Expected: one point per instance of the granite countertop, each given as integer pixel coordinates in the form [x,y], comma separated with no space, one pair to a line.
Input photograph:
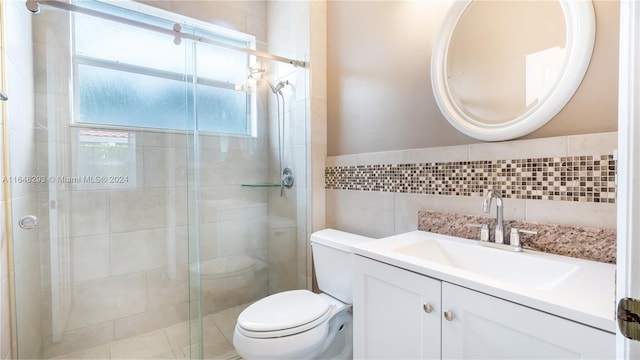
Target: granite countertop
[574,241]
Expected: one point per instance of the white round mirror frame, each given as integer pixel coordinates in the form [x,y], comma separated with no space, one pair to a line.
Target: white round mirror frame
[580,32]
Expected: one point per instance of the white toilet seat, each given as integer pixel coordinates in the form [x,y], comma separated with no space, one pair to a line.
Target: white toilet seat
[284,314]
[303,341]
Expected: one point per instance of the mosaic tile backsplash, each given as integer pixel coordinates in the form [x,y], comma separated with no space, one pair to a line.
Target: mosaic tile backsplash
[572,178]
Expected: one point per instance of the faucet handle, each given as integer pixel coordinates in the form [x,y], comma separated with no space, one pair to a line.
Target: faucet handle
[484,230]
[514,237]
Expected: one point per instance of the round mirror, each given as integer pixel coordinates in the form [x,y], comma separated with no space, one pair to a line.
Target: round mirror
[502,69]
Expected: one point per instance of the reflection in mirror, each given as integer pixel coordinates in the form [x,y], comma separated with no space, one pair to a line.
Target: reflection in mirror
[501,62]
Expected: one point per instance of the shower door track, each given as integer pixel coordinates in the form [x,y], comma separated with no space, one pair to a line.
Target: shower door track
[34,7]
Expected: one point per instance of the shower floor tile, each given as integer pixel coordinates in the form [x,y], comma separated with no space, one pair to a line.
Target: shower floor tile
[172,342]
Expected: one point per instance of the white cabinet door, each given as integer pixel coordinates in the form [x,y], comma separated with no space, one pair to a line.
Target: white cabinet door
[487,327]
[396,313]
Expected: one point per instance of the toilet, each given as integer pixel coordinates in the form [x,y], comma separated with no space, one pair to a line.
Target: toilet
[299,324]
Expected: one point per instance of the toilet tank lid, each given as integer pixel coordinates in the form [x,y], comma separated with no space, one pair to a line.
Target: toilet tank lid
[337,239]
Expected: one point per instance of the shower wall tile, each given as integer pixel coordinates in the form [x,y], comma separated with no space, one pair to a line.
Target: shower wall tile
[236,237]
[46,312]
[45,264]
[151,320]
[133,210]
[158,139]
[213,171]
[165,167]
[27,288]
[133,252]
[168,286]
[90,258]
[98,301]
[89,213]
[52,121]
[85,338]
[241,211]
[22,159]
[209,248]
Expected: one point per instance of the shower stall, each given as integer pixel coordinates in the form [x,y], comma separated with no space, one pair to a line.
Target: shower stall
[161,184]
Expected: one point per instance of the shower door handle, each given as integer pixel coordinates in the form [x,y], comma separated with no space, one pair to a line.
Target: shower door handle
[28,222]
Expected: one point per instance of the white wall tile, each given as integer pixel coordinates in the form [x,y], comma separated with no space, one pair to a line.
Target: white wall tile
[81,339]
[90,257]
[368,213]
[585,214]
[519,149]
[592,144]
[141,347]
[151,320]
[167,287]
[89,213]
[132,210]
[165,167]
[99,301]
[436,154]
[132,252]
[27,309]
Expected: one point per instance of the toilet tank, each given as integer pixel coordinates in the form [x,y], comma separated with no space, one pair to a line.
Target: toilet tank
[332,258]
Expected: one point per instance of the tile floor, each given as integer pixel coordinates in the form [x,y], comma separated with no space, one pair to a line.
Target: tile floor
[172,342]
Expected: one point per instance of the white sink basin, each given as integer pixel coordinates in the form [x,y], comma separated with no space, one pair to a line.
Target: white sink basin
[521,269]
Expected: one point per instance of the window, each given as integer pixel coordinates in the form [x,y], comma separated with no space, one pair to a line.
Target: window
[128,76]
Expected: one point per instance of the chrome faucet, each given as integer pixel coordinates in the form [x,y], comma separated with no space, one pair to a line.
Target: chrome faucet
[486,206]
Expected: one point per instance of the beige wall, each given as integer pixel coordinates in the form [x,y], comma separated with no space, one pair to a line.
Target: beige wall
[379,86]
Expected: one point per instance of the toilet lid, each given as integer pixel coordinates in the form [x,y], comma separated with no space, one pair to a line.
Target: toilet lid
[285,310]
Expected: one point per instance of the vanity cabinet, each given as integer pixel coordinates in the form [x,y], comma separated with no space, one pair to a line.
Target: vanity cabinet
[396,313]
[392,321]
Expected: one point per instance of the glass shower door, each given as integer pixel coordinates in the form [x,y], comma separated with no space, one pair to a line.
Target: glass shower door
[158,189]
[106,273]
[252,233]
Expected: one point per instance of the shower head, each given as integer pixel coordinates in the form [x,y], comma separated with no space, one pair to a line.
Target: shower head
[278,88]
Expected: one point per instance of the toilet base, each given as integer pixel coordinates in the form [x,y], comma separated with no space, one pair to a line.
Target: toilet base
[342,345]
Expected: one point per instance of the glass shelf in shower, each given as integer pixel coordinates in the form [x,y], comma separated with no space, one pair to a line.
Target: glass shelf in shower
[265,185]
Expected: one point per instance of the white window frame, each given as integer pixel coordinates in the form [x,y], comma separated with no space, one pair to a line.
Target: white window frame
[220,31]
